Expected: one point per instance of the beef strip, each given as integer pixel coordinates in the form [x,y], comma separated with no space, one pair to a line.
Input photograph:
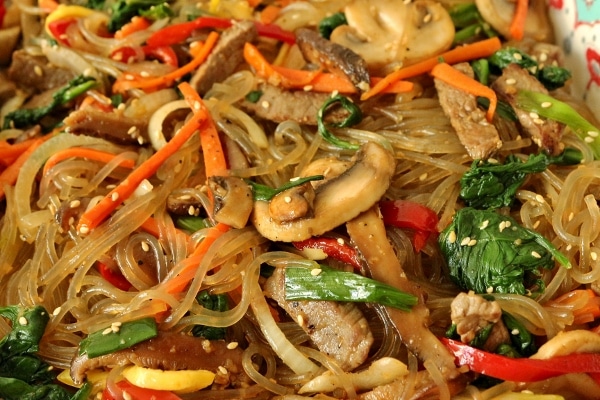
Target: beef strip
[225,57]
[112,126]
[333,57]
[338,329]
[168,351]
[545,133]
[278,105]
[479,137]
[36,73]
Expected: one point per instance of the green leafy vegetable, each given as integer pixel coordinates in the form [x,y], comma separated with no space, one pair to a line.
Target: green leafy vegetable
[191,223]
[521,338]
[503,109]
[115,338]
[481,68]
[354,117]
[262,192]
[482,336]
[303,283]
[30,116]
[327,25]
[156,12]
[494,185]
[254,96]
[124,10]
[96,4]
[214,302]
[548,107]
[488,251]
[23,375]
[469,23]
[552,77]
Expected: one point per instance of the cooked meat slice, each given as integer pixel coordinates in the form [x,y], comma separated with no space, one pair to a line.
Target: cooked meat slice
[544,132]
[333,57]
[113,126]
[225,57]
[547,54]
[168,351]
[479,137]
[185,204]
[7,88]
[471,313]
[338,329]
[36,73]
[276,104]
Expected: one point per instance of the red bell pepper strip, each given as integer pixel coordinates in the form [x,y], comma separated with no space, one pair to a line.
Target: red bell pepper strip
[2,13]
[522,369]
[58,29]
[138,393]
[113,277]
[411,215]
[334,248]
[177,33]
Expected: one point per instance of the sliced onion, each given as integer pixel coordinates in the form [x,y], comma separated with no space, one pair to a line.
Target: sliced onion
[69,59]
[155,124]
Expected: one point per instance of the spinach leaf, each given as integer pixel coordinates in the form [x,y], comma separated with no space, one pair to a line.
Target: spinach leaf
[327,25]
[493,185]
[520,337]
[486,251]
[262,192]
[124,10]
[214,302]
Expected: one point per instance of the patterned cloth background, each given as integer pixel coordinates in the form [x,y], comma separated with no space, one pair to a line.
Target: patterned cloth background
[577,29]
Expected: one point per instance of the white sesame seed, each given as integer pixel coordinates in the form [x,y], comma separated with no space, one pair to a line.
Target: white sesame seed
[546,104]
[300,320]
[452,237]
[518,241]
[423,176]
[490,289]
[232,345]
[571,216]
[197,105]
[484,224]
[115,329]
[540,198]
[87,72]
[588,139]
[191,210]
[222,370]
[594,255]
[107,331]
[511,81]
[145,246]
[569,247]
[316,271]
[534,115]
[127,396]
[508,224]
[472,242]
[535,254]
[114,196]
[74,203]
[129,77]
[334,93]
[308,88]
[538,121]
[287,199]
[84,229]
[427,18]
[515,331]
[341,241]
[593,133]
[502,226]
[132,129]
[465,241]
[265,104]
[543,57]
[38,70]
[23,321]
[517,56]
[56,311]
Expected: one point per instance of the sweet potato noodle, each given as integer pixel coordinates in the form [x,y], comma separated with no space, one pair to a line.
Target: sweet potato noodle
[443,243]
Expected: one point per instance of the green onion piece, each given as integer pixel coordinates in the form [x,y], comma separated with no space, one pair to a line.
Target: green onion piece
[548,107]
[254,96]
[326,283]
[115,338]
[262,192]
[192,224]
[214,302]
[352,119]
[328,24]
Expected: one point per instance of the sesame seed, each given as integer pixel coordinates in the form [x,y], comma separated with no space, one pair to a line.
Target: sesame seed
[540,198]
[222,370]
[334,93]
[536,224]
[490,289]
[508,224]
[316,271]
[484,224]
[265,104]
[114,196]
[538,121]
[115,329]
[588,139]
[515,331]
[197,105]
[84,229]
[502,226]
[452,237]
[535,254]
[465,241]
[593,133]
[132,130]
[427,18]
[111,186]
[341,241]
[107,331]
[145,246]
[569,247]
[23,321]
[145,74]
[129,77]
[38,70]
[543,57]
[594,255]
[518,241]
[116,323]
[191,210]
[56,311]
[87,72]
[571,216]
[294,179]
[308,88]
[287,199]
[472,242]
[232,345]
[423,176]
[74,204]
[300,320]
[511,81]
[185,197]
[546,104]
[534,115]
[127,396]
[517,56]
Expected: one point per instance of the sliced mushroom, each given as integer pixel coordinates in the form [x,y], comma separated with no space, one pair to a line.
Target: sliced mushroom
[391,32]
[499,14]
[333,57]
[337,201]
[232,199]
[291,204]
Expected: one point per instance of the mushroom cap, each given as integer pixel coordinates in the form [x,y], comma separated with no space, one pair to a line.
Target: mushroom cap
[337,201]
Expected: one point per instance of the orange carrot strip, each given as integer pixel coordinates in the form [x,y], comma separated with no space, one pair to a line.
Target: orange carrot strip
[123,83]
[48,5]
[151,226]
[136,24]
[10,152]
[95,215]
[81,152]
[483,48]
[454,77]
[177,283]
[11,173]
[517,25]
[584,303]
[299,79]
[269,14]
[214,156]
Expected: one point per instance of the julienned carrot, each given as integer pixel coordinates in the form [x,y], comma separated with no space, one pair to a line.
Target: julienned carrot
[177,283]
[483,48]
[214,156]
[82,152]
[269,14]
[128,81]
[317,81]
[95,215]
[11,173]
[517,25]
[454,77]
[136,24]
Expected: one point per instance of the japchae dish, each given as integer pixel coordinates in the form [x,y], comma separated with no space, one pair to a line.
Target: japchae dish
[294,199]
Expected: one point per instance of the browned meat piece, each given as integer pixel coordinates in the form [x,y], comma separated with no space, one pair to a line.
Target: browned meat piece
[168,351]
[333,57]
[113,126]
[479,137]
[225,57]
[36,73]
[278,105]
[338,329]
[471,313]
[183,204]
[544,132]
